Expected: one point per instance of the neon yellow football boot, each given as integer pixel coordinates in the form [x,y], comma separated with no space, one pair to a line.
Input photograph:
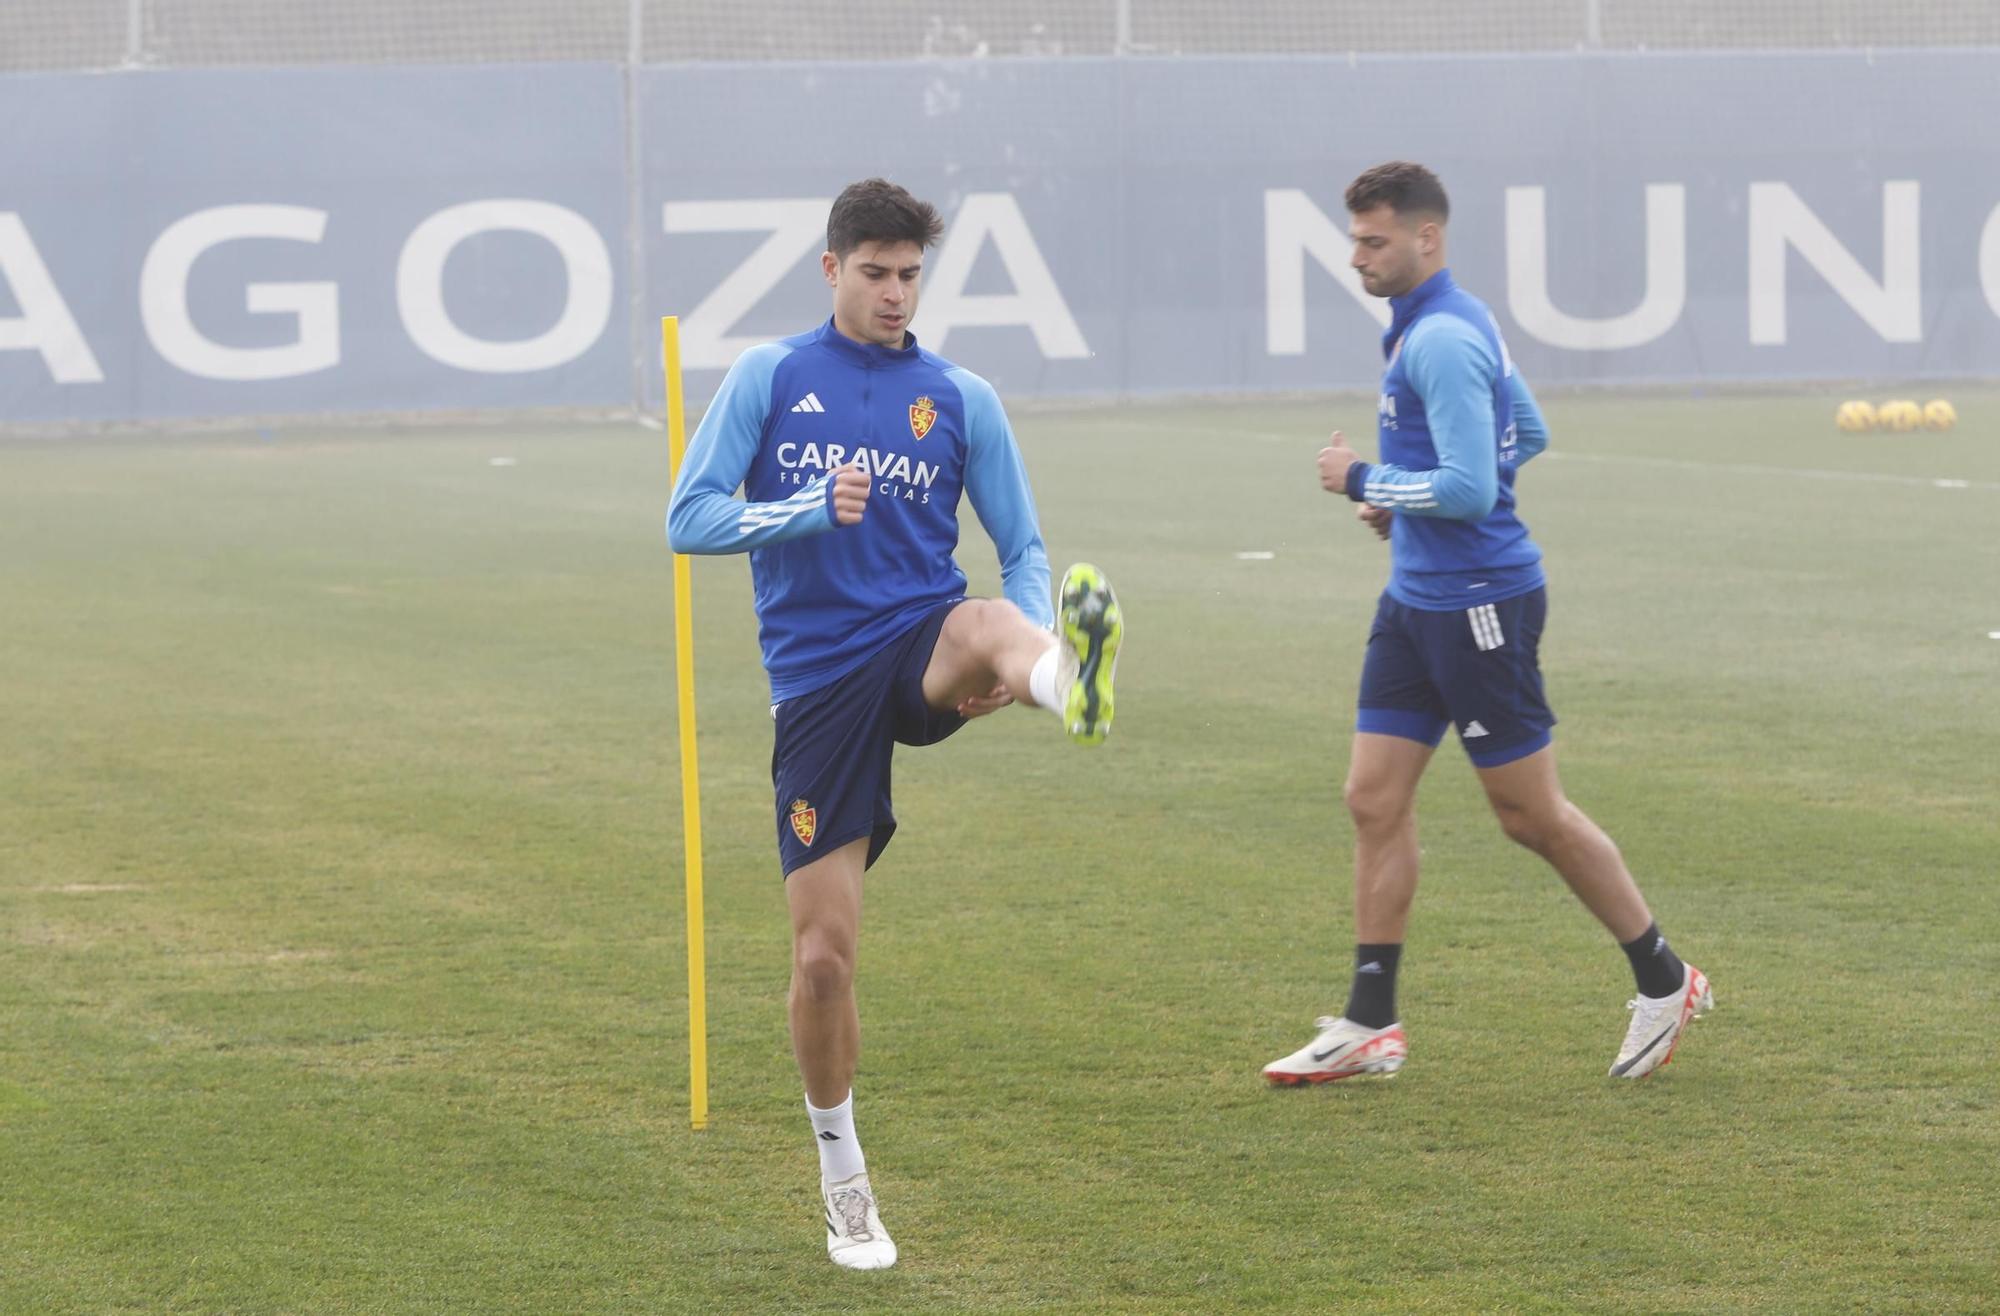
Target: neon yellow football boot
[1089,622]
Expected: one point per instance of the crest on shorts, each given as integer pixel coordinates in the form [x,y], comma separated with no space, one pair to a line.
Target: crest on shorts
[923,415]
[805,820]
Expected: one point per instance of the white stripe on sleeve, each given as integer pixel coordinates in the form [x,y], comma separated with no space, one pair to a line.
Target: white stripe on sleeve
[756,516]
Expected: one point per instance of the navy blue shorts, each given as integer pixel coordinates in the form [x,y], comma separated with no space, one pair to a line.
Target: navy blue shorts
[830,763]
[1476,668]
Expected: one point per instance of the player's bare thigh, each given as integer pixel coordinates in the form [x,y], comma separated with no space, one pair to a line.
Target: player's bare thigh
[1382,775]
[824,898]
[1527,787]
[966,659]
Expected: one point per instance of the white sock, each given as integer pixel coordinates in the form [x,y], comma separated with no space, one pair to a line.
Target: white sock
[839,1148]
[1045,679]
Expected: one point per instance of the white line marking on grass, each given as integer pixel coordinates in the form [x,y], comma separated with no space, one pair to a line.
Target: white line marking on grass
[1209,432]
[1797,472]
[1255,555]
[503,461]
[1993,635]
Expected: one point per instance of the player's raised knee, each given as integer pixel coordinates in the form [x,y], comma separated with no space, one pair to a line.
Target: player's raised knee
[991,623]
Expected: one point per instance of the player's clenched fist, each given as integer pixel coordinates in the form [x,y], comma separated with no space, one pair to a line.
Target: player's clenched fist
[850,494]
[1333,464]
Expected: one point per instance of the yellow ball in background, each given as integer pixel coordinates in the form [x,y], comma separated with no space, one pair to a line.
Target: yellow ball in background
[1855,417]
[1901,415]
[1939,415]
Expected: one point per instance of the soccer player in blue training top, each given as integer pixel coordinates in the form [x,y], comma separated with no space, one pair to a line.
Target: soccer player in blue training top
[853,444]
[1454,639]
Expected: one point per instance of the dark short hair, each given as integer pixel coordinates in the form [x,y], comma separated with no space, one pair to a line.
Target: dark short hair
[1406,188]
[876,210]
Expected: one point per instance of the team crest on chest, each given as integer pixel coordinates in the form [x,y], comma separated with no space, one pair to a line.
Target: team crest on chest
[923,415]
[805,820]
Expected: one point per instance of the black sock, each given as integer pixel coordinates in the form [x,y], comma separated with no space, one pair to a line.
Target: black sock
[1658,970]
[1371,1002]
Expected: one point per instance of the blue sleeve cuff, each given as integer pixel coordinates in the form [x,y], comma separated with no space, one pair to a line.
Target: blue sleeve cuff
[1357,481]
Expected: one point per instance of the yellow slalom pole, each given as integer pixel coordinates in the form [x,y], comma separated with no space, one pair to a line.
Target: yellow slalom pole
[670,352]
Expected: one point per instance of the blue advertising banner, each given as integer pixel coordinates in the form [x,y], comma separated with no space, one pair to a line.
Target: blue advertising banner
[244,242]
[1141,226]
[220,243]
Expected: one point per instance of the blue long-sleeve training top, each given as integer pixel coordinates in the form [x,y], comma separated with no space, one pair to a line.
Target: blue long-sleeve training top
[828,596]
[1455,423]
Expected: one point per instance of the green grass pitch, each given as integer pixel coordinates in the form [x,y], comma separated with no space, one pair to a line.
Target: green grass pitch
[341,944]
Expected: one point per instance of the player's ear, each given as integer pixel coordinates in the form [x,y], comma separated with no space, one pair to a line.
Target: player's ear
[829,265]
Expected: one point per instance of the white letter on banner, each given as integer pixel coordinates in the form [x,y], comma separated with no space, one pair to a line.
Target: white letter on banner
[1989,259]
[1666,274]
[1036,300]
[1295,228]
[163,304]
[1893,308]
[587,286]
[797,227]
[44,323]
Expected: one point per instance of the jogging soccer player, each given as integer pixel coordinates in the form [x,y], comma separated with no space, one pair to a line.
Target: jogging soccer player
[853,445]
[1454,639]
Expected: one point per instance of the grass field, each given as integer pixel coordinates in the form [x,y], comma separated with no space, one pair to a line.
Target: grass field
[341,945]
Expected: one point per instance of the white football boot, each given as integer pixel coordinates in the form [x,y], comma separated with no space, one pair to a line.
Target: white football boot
[1657,1023]
[1343,1049]
[854,1234]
